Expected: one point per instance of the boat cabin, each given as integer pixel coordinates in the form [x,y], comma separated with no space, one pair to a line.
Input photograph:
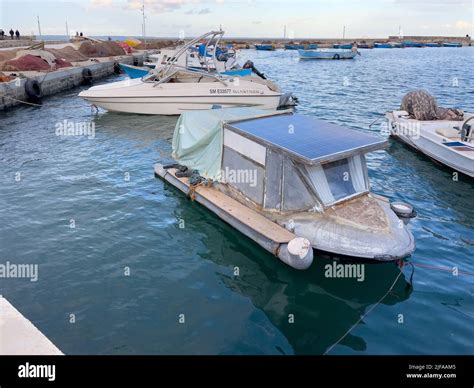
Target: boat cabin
[296,162]
[303,174]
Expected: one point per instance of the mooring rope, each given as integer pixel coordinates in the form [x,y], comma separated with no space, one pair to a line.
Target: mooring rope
[445,269]
[365,314]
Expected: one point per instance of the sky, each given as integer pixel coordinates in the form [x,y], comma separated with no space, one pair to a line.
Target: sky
[242,18]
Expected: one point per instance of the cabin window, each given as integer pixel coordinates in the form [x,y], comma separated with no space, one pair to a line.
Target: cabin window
[340,179]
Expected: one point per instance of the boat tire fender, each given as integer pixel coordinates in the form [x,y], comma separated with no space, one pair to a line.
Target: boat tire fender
[336,56]
[33,90]
[117,68]
[86,76]
[298,253]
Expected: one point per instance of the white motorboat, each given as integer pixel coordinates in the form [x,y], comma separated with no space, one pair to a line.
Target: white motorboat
[448,142]
[183,91]
[173,89]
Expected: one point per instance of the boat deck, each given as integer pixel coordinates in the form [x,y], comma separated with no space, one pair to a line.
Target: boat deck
[235,209]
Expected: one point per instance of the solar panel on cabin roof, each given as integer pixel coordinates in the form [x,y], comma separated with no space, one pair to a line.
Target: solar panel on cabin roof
[307,137]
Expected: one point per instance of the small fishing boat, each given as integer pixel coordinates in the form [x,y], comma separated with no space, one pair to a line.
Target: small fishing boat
[139,72]
[345,46]
[412,44]
[363,46]
[265,47]
[398,45]
[311,46]
[382,45]
[327,54]
[291,191]
[452,44]
[134,71]
[432,45]
[449,142]
[293,46]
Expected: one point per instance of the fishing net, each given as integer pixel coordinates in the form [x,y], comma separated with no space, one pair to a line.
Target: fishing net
[421,105]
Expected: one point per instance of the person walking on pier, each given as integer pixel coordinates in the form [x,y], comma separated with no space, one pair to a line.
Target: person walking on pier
[17,33]
[11,33]
[2,34]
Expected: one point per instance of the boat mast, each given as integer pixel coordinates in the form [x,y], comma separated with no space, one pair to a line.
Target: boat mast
[344,32]
[143,25]
[67,32]
[39,26]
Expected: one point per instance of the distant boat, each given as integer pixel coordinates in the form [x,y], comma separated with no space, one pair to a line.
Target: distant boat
[432,45]
[398,45]
[311,46]
[412,44]
[134,71]
[326,54]
[265,47]
[363,46]
[452,44]
[294,46]
[382,45]
[342,46]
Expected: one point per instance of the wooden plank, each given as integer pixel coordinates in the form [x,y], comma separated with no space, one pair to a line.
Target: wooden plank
[245,215]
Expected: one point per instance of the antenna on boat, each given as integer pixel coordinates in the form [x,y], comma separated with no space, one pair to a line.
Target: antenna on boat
[143,23]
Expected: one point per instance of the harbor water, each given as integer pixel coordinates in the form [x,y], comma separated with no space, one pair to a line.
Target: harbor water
[129,265]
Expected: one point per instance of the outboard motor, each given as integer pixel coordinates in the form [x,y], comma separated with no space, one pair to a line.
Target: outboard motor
[466,130]
[287,99]
[249,65]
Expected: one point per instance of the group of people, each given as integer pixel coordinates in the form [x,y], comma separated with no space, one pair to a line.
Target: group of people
[12,33]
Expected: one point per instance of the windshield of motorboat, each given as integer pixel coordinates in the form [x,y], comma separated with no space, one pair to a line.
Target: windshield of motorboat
[339,180]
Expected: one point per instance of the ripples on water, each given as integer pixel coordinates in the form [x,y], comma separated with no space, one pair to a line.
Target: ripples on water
[135,223]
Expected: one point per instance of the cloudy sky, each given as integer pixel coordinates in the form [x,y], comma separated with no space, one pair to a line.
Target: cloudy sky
[242,18]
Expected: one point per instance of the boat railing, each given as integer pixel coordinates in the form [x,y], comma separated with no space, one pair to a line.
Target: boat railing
[210,36]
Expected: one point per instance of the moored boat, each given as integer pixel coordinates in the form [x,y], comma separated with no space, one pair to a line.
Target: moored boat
[382,45]
[452,44]
[345,46]
[293,46]
[172,89]
[139,72]
[412,44]
[265,47]
[449,142]
[289,191]
[327,54]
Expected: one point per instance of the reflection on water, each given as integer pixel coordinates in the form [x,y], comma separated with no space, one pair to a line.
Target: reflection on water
[127,218]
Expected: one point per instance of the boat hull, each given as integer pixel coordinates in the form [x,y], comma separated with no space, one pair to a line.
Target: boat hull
[136,96]
[330,54]
[433,145]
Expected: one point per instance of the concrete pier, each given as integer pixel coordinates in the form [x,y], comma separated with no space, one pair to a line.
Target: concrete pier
[18,336]
[56,81]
